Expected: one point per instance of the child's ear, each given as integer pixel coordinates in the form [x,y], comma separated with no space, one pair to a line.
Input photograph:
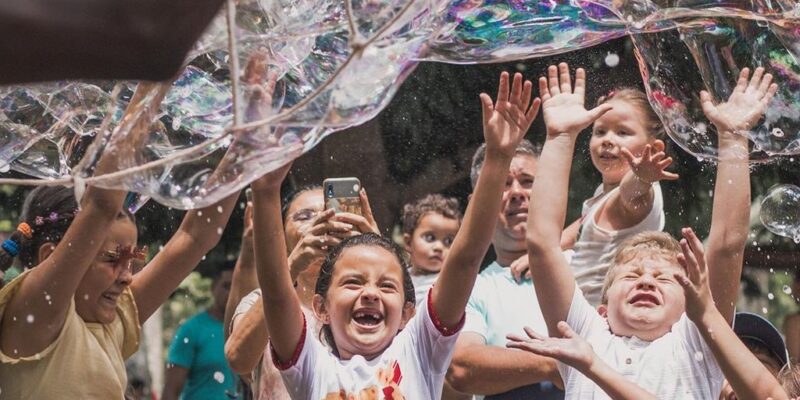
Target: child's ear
[407,242]
[602,309]
[320,311]
[408,312]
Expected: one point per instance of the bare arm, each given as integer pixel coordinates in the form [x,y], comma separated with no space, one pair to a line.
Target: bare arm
[576,352]
[730,217]
[282,311]
[748,377]
[174,379]
[248,339]
[565,116]
[791,328]
[244,278]
[481,369]
[98,39]
[48,290]
[570,234]
[504,124]
[197,235]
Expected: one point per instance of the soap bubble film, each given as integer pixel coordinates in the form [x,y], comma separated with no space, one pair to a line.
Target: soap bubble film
[780,211]
[285,74]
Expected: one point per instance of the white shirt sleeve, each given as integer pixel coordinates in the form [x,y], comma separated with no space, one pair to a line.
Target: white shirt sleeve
[245,304]
[433,343]
[301,375]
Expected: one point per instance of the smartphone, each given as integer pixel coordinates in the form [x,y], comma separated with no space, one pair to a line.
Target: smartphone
[341,194]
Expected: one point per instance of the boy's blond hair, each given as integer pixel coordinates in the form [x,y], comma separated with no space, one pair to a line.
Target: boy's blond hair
[644,244]
[790,380]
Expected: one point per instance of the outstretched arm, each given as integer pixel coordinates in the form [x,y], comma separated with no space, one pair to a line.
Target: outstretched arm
[565,117]
[482,369]
[748,377]
[282,312]
[576,352]
[98,39]
[504,125]
[244,278]
[48,290]
[730,217]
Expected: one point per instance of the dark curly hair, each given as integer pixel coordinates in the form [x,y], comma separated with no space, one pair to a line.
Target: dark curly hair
[446,206]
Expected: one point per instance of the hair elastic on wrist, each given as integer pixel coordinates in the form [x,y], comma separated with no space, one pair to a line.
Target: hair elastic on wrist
[11,247]
[25,230]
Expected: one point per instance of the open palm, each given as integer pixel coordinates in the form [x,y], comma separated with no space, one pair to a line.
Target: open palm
[570,348]
[746,104]
[563,107]
[506,121]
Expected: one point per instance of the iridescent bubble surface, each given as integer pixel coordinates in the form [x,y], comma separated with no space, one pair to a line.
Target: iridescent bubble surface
[294,71]
[780,211]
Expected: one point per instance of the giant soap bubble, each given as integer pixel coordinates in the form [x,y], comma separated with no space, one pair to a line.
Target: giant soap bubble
[271,78]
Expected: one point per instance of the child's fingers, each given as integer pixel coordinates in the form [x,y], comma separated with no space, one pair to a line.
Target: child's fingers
[366,209]
[691,265]
[516,89]
[502,88]
[706,103]
[765,83]
[598,111]
[670,176]
[741,83]
[580,81]
[659,146]
[552,80]
[533,334]
[533,110]
[696,244]
[487,107]
[647,154]
[773,88]
[628,156]
[527,92]
[565,330]
[544,92]
[756,79]
[564,78]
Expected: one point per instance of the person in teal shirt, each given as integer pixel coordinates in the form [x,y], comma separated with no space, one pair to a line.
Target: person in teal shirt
[196,365]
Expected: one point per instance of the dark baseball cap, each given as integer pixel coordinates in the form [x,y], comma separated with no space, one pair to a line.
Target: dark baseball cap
[755,328]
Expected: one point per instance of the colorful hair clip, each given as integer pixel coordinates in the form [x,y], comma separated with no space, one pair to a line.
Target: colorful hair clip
[25,230]
[53,217]
[11,247]
[38,221]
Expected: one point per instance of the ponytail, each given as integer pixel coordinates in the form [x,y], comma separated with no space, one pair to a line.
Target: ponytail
[12,246]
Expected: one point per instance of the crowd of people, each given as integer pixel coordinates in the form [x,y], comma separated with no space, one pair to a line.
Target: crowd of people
[320,305]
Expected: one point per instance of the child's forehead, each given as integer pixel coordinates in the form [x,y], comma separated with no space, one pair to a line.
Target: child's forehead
[370,261]
[435,219]
[654,263]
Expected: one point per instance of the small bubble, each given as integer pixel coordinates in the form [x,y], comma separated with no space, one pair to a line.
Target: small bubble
[30,318]
[764,310]
[86,297]
[200,213]
[204,258]
[47,297]
[219,377]
[208,220]
[219,231]
[787,289]
[770,296]
[186,340]
[777,132]
[612,60]
[219,209]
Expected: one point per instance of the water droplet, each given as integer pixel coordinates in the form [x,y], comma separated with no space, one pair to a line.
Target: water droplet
[777,132]
[787,289]
[219,231]
[770,296]
[186,340]
[219,209]
[47,297]
[764,310]
[219,377]
[200,213]
[30,318]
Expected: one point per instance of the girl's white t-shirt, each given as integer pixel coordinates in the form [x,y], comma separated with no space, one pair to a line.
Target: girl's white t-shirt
[596,246]
[412,367]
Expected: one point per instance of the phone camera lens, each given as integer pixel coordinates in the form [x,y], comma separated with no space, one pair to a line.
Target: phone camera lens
[329,191]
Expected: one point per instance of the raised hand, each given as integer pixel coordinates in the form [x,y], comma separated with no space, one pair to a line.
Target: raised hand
[746,104]
[570,348]
[520,269]
[695,277]
[650,167]
[322,233]
[563,106]
[506,121]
